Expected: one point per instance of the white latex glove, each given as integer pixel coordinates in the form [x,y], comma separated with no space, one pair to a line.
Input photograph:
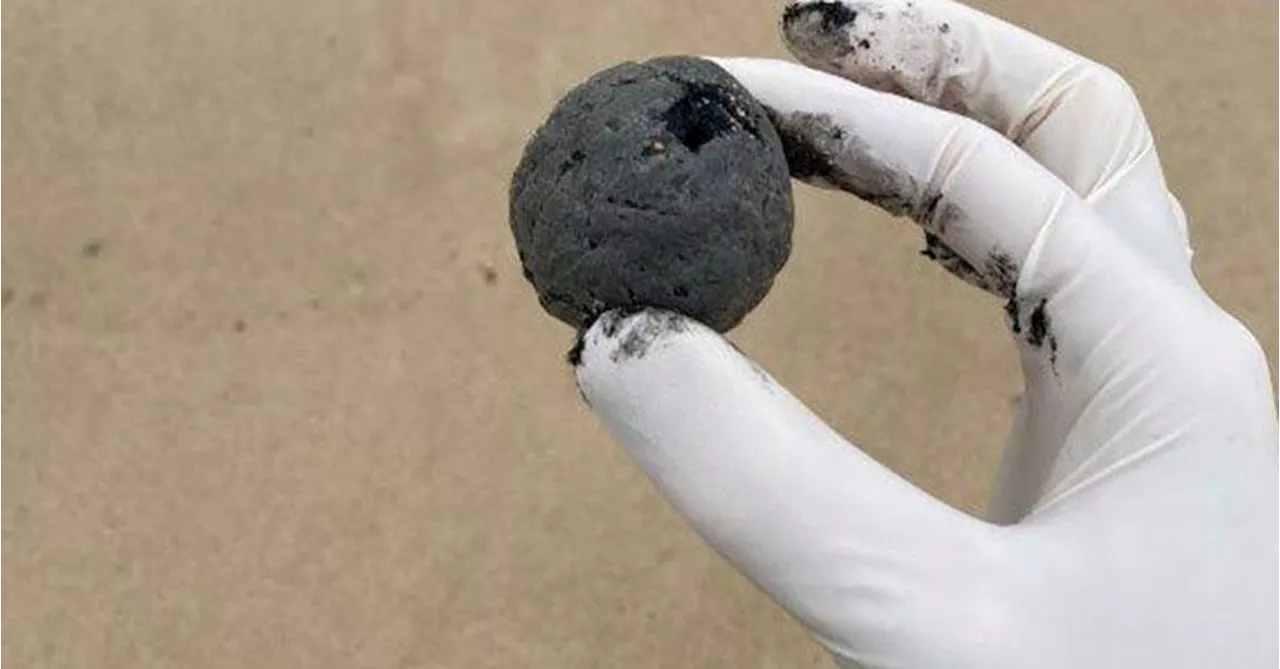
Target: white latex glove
[1135,518]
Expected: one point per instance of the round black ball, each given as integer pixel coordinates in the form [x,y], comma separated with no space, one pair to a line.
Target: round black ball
[658,184]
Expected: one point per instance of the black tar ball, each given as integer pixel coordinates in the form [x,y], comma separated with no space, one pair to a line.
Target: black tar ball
[658,184]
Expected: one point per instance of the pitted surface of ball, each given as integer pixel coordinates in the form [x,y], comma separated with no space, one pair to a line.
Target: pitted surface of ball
[659,184]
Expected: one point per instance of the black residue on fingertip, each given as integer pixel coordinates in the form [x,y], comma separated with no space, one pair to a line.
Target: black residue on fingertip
[1013,312]
[1001,273]
[823,30]
[928,208]
[574,356]
[805,158]
[932,245]
[937,250]
[653,325]
[638,337]
[1037,328]
[1040,332]
[835,15]
[813,145]
[943,216]
[1038,325]
[864,44]
[611,320]
[944,28]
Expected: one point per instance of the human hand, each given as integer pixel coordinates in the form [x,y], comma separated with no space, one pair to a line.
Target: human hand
[1134,520]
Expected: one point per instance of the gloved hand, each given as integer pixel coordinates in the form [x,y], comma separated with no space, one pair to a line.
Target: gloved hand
[1134,522]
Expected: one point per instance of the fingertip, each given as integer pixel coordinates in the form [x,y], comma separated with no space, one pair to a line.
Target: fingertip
[621,336]
[817,32]
[616,349]
[654,367]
